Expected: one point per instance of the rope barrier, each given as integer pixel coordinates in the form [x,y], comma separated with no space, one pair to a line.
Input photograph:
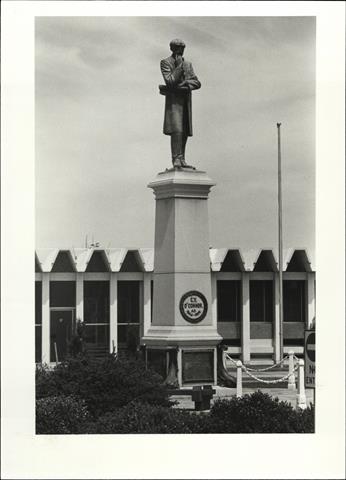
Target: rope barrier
[281,379]
[248,370]
[231,359]
[261,369]
[268,368]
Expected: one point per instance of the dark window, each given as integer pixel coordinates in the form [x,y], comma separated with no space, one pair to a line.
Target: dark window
[127,334]
[38,343]
[261,301]
[128,302]
[228,301]
[61,326]
[96,302]
[62,294]
[128,314]
[294,300]
[96,334]
[294,342]
[38,321]
[38,303]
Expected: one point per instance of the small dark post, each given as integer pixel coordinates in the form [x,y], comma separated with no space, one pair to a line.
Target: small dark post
[56,354]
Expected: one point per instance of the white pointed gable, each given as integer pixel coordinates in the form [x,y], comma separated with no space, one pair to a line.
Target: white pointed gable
[147,255]
[47,257]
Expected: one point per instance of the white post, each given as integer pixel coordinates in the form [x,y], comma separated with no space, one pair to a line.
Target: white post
[79,297]
[291,379]
[215,366]
[239,379]
[277,319]
[245,324]
[147,302]
[180,367]
[45,319]
[301,398]
[113,320]
[214,299]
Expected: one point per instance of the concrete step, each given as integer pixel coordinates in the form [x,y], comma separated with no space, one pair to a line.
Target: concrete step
[97,351]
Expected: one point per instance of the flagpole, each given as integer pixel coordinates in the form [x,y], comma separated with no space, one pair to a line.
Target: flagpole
[280,246]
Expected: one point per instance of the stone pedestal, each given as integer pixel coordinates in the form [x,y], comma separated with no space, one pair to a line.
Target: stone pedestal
[182,309]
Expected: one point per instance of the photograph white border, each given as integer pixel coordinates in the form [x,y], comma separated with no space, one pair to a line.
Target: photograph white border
[25,455]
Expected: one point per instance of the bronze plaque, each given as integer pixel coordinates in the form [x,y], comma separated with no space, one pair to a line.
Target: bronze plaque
[193,306]
[198,366]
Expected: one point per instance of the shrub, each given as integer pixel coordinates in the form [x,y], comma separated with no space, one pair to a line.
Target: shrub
[144,418]
[259,413]
[104,385]
[59,415]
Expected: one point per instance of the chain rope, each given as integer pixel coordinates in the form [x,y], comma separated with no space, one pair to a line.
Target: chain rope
[249,370]
[262,369]
[268,368]
[281,379]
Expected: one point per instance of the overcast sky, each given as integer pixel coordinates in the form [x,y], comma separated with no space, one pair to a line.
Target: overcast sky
[99,119]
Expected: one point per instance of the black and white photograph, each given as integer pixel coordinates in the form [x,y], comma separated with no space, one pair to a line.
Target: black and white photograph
[192,292]
[174,228]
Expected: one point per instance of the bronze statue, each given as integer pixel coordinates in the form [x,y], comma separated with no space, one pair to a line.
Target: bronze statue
[180,79]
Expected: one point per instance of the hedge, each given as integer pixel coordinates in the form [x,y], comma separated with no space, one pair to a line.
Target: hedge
[255,413]
[104,385]
[121,396]
[60,415]
[260,413]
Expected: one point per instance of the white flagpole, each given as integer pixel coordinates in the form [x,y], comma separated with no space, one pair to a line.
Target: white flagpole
[280,246]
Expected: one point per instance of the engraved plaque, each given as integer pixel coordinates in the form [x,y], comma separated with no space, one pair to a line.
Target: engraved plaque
[198,366]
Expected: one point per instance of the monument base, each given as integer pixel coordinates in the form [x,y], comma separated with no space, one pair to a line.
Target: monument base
[181,341]
[195,359]
[183,366]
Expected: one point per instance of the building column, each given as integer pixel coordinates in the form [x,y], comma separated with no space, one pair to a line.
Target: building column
[276,339]
[45,319]
[146,303]
[311,300]
[113,321]
[245,320]
[214,299]
[79,297]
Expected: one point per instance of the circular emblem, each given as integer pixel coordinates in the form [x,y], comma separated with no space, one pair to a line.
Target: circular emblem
[193,306]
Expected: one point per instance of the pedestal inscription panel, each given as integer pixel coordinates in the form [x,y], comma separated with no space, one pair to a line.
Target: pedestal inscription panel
[198,366]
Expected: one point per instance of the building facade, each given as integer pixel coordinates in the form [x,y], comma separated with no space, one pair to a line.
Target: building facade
[111,291]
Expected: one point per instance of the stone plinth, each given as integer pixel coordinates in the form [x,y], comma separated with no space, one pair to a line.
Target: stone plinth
[182,314]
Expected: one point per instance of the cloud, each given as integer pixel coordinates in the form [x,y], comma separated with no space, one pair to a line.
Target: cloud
[99,124]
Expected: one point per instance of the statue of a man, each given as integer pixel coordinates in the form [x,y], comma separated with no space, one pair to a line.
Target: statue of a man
[180,79]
